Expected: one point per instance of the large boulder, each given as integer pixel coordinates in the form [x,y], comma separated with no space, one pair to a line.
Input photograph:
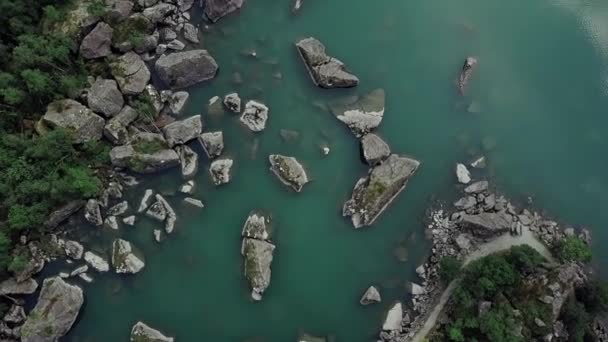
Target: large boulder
[97,43]
[255,116]
[289,171]
[213,143]
[57,308]
[374,149]
[75,118]
[215,9]
[105,98]
[142,332]
[362,115]
[392,320]
[180,132]
[147,153]
[487,225]
[183,69]
[131,73]
[374,193]
[325,71]
[13,287]
[220,171]
[258,256]
[124,259]
[159,12]
[116,128]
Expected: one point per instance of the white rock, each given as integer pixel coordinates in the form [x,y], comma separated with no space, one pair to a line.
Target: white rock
[86,277]
[79,270]
[96,262]
[187,188]
[463,174]
[145,201]
[111,222]
[129,220]
[416,289]
[393,318]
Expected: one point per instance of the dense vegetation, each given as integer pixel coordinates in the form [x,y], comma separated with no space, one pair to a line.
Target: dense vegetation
[38,173]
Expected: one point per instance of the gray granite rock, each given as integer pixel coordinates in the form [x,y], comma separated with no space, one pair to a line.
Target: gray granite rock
[255,226]
[131,73]
[147,153]
[216,9]
[213,143]
[159,12]
[116,130]
[362,115]
[289,171]
[13,287]
[184,69]
[258,259]
[92,212]
[191,33]
[374,149]
[371,296]
[487,225]
[325,71]
[255,116]
[232,101]
[178,101]
[97,262]
[105,98]
[477,187]
[181,132]
[97,43]
[76,118]
[142,332]
[188,160]
[220,171]
[124,258]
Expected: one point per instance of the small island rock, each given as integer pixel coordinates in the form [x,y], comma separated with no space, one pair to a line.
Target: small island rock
[289,171]
[325,71]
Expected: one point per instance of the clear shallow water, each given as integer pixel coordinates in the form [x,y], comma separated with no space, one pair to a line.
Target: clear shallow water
[540,84]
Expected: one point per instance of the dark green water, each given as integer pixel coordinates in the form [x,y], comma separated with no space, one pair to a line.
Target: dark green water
[540,84]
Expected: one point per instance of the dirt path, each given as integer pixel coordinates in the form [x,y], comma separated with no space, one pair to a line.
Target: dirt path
[500,244]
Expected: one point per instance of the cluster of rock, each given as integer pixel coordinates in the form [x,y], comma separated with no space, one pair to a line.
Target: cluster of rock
[257,250]
[478,217]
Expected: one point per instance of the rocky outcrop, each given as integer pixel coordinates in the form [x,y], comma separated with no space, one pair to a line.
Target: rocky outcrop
[213,143]
[258,253]
[13,287]
[97,43]
[147,153]
[362,115]
[374,149]
[124,259]
[181,132]
[131,73]
[220,171]
[216,9]
[374,193]
[188,160]
[255,116]
[116,128]
[325,71]
[371,296]
[105,98]
[184,69]
[75,118]
[142,332]
[465,74]
[232,101]
[289,171]
[92,212]
[56,310]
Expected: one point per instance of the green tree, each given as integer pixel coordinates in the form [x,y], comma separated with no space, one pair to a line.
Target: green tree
[573,249]
[449,268]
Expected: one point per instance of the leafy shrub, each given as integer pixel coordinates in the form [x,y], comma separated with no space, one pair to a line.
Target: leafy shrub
[449,268]
[573,249]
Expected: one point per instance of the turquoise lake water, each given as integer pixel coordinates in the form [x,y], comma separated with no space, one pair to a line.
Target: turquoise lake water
[541,93]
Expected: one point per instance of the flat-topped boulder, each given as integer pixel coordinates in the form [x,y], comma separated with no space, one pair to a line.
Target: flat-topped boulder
[256,226]
[184,69]
[374,193]
[220,171]
[76,118]
[289,171]
[374,149]
[325,71]
[371,296]
[362,115]
[131,73]
[97,43]
[142,332]
[13,287]
[124,259]
[258,256]
[55,312]
[255,116]
[213,143]
[115,129]
[147,153]
[181,132]
[216,9]
[487,225]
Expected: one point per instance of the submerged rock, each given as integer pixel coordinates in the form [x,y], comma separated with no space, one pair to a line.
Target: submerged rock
[371,296]
[131,73]
[255,116]
[479,163]
[258,259]
[289,171]
[195,202]
[220,171]
[255,227]
[463,174]
[310,338]
[374,193]
[374,149]
[465,75]
[184,69]
[362,115]
[232,101]
[180,132]
[325,71]
[56,310]
[73,117]
[188,160]
[216,9]
[142,332]
[124,259]
[213,143]
[105,98]
[393,318]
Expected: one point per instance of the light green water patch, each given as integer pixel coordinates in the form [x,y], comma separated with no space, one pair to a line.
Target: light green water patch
[540,102]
